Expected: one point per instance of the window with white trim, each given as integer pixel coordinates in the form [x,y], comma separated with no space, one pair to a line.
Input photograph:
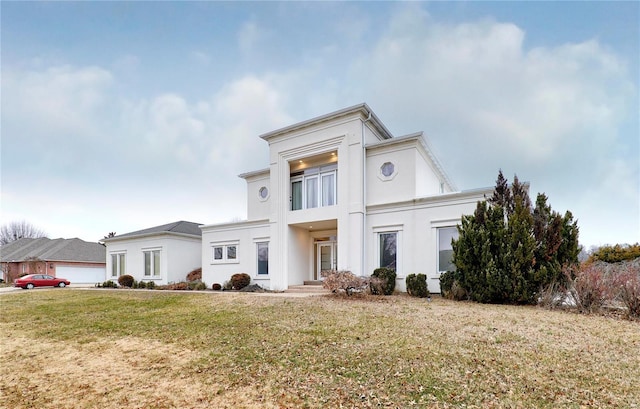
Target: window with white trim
[387,171]
[387,247]
[314,187]
[224,252]
[117,264]
[445,250]
[262,252]
[151,263]
[388,250]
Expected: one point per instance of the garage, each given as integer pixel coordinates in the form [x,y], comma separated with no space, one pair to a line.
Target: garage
[81,275]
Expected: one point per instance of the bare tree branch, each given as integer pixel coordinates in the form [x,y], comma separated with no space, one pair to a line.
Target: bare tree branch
[17,230]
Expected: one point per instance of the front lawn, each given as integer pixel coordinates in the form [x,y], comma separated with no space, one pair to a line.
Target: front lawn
[134,349]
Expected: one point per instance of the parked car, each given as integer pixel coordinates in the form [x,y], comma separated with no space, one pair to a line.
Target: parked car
[40,280]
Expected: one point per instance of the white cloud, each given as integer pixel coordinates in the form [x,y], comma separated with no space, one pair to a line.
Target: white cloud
[553,115]
[550,114]
[62,98]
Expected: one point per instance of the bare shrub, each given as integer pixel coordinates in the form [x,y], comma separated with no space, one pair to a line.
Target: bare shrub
[590,286]
[182,285]
[240,280]
[195,275]
[627,283]
[343,280]
[126,280]
[553,296]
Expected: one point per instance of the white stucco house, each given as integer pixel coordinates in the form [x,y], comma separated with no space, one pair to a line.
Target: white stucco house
[163,254]
[341,192]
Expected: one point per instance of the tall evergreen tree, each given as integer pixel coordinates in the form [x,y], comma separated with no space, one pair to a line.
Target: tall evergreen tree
[501,194]
[507,251]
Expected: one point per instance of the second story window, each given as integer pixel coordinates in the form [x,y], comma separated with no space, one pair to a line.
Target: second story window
[313,187]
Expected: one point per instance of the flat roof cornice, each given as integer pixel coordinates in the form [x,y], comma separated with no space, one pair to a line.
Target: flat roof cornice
[254,173]
[436,200]
[362,108]
[151,234]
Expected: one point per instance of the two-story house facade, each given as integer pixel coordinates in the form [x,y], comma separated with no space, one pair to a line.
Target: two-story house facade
[341,192]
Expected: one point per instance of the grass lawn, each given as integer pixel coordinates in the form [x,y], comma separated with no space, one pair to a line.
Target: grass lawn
[70,348]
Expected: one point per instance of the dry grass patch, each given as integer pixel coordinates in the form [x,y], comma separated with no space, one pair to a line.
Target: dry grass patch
[107,349]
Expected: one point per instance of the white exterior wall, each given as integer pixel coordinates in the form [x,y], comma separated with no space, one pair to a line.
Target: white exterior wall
[292,248]
[178,256]
[400,186]
[245,235]
[183,256]
[257,207]
[417,223]
[367,202]
[427,181]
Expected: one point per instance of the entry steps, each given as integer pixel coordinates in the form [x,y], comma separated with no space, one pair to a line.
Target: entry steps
[311,289]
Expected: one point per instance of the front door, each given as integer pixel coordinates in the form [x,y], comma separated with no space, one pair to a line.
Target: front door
[327,256]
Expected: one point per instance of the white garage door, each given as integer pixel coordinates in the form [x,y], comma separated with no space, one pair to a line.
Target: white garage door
[82,275]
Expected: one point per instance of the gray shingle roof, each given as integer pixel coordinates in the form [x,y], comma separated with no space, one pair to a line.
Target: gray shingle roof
[180,227]
[53,250]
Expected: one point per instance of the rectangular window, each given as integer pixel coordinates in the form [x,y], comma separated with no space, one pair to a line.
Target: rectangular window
[263,258]
[152,263]
[311,189]
[388,249]
[296,194]
[121,265]
[445,251]
[314,187]
[225,253]
[114,265]
[329,189]
[117,264]
[156,263]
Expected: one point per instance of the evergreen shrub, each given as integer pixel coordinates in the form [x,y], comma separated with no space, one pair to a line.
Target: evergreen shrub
[417,285]
[446,282]
[108,284]
[387,283]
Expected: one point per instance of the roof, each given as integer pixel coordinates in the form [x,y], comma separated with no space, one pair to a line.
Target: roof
[260,172]
[53,250]
[178,228]
[363,108]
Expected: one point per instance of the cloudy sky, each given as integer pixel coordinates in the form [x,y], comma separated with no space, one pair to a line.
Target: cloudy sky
[118,116]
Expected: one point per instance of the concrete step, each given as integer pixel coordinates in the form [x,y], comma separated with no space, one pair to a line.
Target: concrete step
[307,289]
[312,282]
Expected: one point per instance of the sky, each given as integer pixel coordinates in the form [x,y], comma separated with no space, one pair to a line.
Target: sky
[119,116]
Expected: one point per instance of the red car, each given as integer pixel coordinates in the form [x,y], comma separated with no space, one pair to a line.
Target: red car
[40,280]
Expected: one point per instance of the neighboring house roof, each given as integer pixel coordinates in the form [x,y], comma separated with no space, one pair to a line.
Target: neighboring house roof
[363,108]
[53,250]
[177,228]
